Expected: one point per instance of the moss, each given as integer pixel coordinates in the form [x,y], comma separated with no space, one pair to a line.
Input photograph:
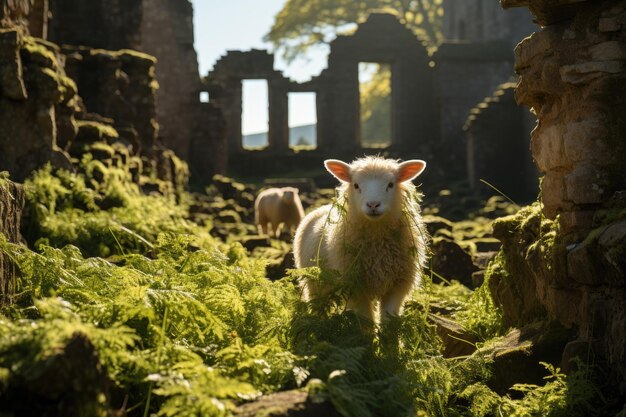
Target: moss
[132,54]
[40,52]
[531,250]
[96,130]
[102,147]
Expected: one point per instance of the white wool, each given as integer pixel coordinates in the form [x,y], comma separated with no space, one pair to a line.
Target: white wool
[277,206]
[383,253]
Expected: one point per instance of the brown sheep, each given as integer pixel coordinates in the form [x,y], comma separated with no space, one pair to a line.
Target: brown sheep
[277,206]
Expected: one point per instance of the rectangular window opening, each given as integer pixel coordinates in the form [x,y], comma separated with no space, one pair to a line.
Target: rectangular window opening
[255,114]
[375,104]
[204,97]
[303,121]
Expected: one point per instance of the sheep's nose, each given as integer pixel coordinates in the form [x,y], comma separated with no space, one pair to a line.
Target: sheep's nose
[373,204]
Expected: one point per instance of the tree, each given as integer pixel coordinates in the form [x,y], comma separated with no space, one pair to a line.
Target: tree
[305,23]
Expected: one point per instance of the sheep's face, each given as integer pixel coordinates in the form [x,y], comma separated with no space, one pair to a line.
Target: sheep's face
[374,184]
[373,195]
[288,196]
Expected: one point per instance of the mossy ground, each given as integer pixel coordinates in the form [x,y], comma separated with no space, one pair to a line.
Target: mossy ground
[186,324]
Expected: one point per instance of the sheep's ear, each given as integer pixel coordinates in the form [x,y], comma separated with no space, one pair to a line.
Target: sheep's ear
[339,169]
[410,169]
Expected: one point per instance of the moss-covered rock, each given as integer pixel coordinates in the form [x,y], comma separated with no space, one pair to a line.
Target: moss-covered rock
[11,205]
[529,266]
[36,104]
[450,262]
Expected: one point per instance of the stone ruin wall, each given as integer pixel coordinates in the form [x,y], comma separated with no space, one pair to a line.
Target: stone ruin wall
[484,21]
[194,130]
[429,105]
[497,132]
[573,76]
[113,85]
[11,204]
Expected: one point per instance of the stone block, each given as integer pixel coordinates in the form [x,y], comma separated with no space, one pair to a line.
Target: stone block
[608,51]
[585,72]
[457,340]
[293,403]
[11,80]
[575,221]
[547,145]
[451,262]
[609,24]
[586,184]
[583,140]
[552,193]
[12,199]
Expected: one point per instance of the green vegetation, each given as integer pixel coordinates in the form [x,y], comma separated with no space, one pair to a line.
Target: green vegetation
[186,325]
[305,23]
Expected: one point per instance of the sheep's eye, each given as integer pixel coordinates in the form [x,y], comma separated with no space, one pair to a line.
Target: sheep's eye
[356,186]
[390,185]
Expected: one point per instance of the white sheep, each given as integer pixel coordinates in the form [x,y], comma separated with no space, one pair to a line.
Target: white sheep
[276,206]
[375,237]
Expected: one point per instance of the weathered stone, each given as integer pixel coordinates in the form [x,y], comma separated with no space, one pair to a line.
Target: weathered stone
[71,382]
[608,51]
[286,404]
[107,24]
[167,34]
[478,278]
[487,245]
[28,127]
[278,270]
[516,357]
[119,85]
[11,79]
[548,148]
[552,193]
[585,184]
[581,140]
[436,223]
[12,199]
[585,72]
[457,341]
[608,24]
[576,223]
[599,259]
[451,262]
[505,163]
[252,242]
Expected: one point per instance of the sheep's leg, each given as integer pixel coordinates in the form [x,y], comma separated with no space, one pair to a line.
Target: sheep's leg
[391,303]
[362,306]
[261,223]
[277,230]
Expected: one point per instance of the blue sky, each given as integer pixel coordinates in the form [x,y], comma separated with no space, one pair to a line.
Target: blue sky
[240,25]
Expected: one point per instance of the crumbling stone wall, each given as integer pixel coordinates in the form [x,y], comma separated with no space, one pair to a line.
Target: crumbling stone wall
[484,21]
[574,81]
[570,259]
[382,38]
[497,132]
[120,86]
[167,34]
[226,79]
[11,204]
[107,24]
[36,97]
[464,74]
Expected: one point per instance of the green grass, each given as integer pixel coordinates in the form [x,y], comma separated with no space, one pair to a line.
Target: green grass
[186,325]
